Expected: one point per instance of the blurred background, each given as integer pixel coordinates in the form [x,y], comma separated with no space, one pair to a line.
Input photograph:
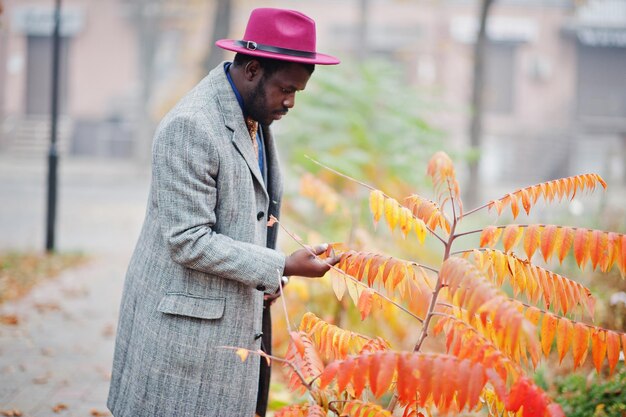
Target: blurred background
[516,91]
[553,84]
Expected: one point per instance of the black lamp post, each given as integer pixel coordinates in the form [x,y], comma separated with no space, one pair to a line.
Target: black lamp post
[53,151]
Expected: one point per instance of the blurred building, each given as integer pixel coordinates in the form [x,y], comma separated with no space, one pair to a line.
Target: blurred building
[555,71]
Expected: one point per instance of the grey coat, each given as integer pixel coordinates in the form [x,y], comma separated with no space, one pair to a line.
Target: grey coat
[201,266]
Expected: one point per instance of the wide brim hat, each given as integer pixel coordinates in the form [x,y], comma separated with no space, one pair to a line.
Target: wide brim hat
[286,35]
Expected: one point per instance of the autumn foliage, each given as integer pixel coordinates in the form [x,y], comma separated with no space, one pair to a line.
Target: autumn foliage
[492,339]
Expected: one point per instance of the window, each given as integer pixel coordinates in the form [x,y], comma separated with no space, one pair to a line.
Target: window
[499,78]
[601,81]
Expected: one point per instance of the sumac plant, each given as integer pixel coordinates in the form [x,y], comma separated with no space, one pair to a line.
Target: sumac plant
[493,338]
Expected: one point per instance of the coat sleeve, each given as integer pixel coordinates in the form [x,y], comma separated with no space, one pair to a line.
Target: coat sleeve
[185,166]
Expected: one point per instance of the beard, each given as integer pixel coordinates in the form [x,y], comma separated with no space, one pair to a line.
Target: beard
[257,106]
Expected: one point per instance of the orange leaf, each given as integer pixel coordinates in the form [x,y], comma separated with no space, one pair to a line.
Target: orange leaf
[360,377]
[511,236]
[548,240]
[580,343]
[388,362]
[548,330]
[564,333]
[532,239]
[441,170]
[344,373]
[365,303]
[525,200]
[581,246]
[427,211]
[488,236]
[272,221]
[561,187]
[612,352]
[514,207]
[566,242]
[598,248]
[330,371]
[598,347]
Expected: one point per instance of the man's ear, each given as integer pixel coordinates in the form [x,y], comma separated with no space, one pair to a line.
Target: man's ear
[253,70]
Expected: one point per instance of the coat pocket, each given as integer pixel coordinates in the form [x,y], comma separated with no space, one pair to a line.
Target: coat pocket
[192,306]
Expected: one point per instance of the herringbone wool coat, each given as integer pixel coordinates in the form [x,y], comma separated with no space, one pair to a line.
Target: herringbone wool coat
[201,266]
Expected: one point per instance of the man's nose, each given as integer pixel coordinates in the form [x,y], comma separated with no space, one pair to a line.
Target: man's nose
[290,101]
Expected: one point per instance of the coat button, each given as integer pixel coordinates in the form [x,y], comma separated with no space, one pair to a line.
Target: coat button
[258,336]
[260,215]
[260,287]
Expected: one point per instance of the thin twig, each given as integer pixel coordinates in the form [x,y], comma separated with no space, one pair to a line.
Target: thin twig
[284,303]
[476,209]
[498,227]
[339,173]
[452,200]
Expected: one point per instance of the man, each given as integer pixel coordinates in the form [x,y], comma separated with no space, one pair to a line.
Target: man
[205,259]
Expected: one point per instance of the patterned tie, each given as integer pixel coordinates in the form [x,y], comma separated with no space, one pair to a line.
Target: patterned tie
[253,126]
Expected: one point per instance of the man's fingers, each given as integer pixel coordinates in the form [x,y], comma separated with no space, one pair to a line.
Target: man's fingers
[319,249]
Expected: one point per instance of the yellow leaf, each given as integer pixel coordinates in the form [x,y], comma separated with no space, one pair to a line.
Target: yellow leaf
[377,200]
[391,212]
[338,282]
[243,354]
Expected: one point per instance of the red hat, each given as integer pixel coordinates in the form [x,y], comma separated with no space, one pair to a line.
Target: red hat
[281,34]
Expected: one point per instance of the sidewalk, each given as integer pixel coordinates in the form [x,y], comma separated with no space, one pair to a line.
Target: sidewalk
[59,354]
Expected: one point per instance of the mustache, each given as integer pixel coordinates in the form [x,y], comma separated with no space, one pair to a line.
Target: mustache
[283,111]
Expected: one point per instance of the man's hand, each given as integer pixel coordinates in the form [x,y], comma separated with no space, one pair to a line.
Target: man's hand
[304,264]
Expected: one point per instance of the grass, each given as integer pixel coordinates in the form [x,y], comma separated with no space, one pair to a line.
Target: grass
[21,271]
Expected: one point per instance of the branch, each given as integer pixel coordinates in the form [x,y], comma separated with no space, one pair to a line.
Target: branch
[284,303]
[369,187]
[497,227]
[477,209]
[356,281]
[567,318]
[452,200]
[431,307]
[482,337]
[274,358]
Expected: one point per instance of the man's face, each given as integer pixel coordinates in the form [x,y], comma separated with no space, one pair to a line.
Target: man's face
[273,96]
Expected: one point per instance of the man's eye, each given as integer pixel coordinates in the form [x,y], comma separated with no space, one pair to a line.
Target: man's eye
[285,91]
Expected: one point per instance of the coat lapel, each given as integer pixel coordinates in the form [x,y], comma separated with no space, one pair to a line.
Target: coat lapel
[233,120]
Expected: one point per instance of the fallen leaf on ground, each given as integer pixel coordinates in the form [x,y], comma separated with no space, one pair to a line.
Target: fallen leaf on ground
[9,319]
[98,413]
[42,379]
[108,331]
[59,407]
[11,413]
[44,307]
